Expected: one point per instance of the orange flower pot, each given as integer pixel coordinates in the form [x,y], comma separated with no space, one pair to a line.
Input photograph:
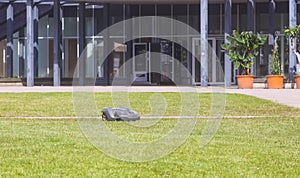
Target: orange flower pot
[275,81]
[297,80]
[245,81]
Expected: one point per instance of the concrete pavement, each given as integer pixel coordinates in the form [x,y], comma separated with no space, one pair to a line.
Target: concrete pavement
[290,97]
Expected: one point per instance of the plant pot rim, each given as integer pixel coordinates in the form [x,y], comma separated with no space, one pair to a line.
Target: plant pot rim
[245,76]
[274,76]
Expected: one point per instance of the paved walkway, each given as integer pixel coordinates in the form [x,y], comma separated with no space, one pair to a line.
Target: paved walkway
[290,97]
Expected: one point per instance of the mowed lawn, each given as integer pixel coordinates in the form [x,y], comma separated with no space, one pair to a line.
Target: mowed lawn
[268,145]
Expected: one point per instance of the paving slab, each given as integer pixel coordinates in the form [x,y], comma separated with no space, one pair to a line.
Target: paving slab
[290,97]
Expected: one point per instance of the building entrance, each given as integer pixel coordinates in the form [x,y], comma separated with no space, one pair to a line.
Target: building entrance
[153,63]
[141,63]
[215,61]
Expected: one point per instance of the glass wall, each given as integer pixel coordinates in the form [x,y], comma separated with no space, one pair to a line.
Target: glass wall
[117,14]
[43,65]
[2,57]
[95,19]
[261,63]
[215,19]
[46,42]
[193,14]
[164,11]
[98,43]
[180,13]
[90,68]
[239,16]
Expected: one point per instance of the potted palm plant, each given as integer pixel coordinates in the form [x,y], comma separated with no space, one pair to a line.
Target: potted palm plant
[275,79]
[242,50]
[294,34]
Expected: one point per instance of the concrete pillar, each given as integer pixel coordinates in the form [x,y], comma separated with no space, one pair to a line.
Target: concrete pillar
[292,23]
[250,24]
[30,43]
[129,35]
[35,39]
[204,42]
[250,15]
[9,40]
[106,44]
[57,43]
[82,43]
[228,32]
[272,7]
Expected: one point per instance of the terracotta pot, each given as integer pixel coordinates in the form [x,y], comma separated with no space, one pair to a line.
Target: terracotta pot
[245,81]
[297,80]
[275,81]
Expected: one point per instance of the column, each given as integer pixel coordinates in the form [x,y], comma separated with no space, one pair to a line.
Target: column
[35,38]
[82,43]
[292,23]
[30,44]
[106,44]
[9,40]
[204,42]
[250,24]
[228,32]
[250,15]
[272,7]
[129,36]
[57,43]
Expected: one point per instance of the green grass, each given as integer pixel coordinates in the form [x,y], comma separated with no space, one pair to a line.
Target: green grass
[61,104]
[267,146]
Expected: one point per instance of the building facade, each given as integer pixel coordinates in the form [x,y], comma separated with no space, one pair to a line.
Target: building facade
[43,40]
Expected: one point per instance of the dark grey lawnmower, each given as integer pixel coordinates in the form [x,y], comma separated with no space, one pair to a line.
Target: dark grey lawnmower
[119,114]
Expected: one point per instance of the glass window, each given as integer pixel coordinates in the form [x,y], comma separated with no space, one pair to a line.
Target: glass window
[180,14]
[2,57]
[242,17]
[147,10]
[51,27]
[194,16]
[282,16]
[89,21]
[214,24]
[99,57]
[70,26]
[70,11]
[21,55]
[116,16]
[234,16]
[261,62]
[89,24]
[98,19]
[164,11]
[117,59]
[16,47]
[70,58]
[43,24]
[262,17]
[43,58]
[147,28]
[135,12]
[239,17]
[90,59]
